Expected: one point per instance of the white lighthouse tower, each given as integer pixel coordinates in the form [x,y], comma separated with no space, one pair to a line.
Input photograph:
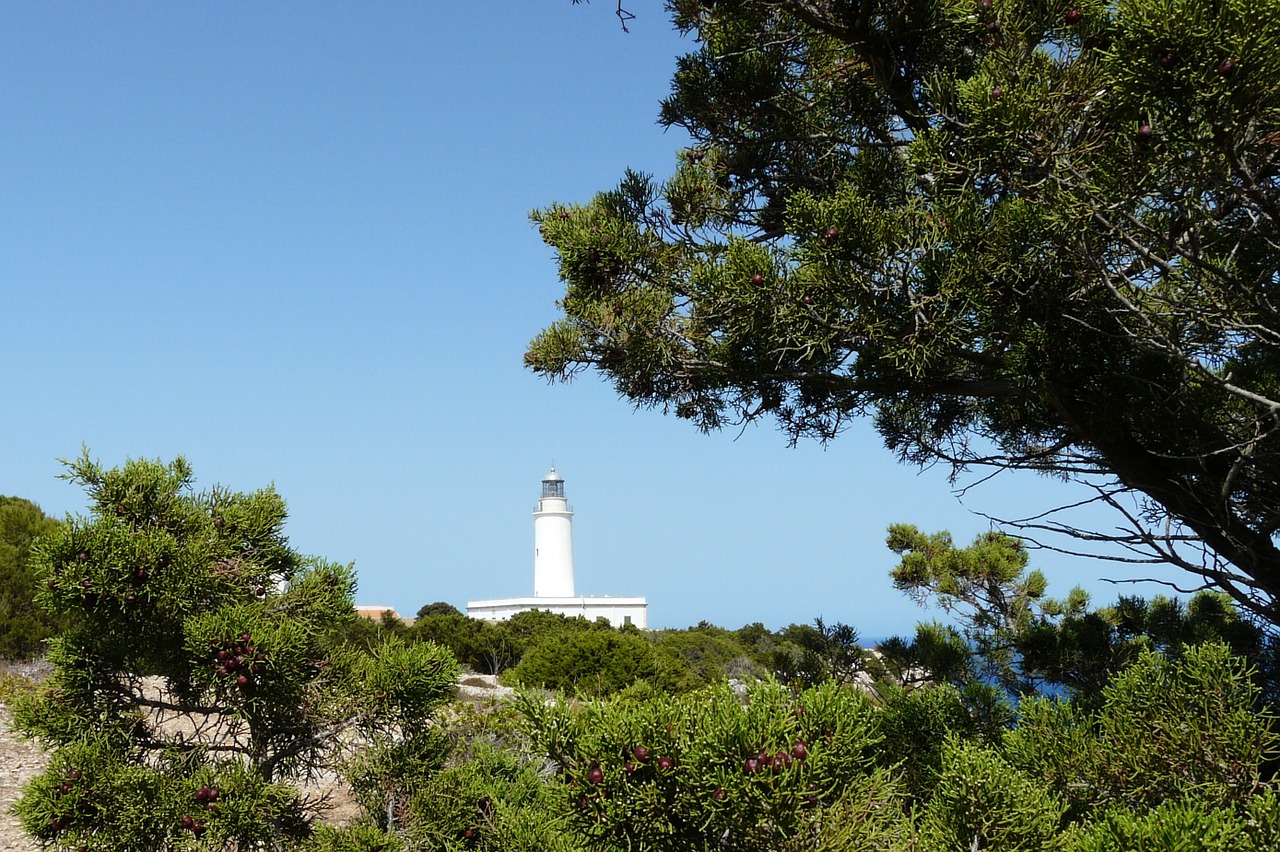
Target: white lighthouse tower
[553,572]
[553,541]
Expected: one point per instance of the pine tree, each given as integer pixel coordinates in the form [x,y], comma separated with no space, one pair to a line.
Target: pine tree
[1025,234]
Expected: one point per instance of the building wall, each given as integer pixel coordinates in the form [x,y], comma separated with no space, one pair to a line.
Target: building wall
[618,611]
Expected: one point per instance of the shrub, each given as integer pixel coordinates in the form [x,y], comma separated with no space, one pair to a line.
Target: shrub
[705,770]
[982,802]
[1166,730]
[198,682]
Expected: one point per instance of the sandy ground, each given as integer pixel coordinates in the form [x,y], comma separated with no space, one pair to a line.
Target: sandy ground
[19,761]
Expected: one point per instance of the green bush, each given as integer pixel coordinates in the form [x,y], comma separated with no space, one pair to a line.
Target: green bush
[587,662]
[705,770]
[982,802]
[915,725]
[24,625]
[493,801]
[1166,730]
[199,682]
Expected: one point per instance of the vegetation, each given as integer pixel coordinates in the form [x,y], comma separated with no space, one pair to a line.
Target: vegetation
[23,624]
[202,674]
[1020,234]
[206,670]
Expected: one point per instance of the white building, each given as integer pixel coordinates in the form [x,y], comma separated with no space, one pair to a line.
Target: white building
[553,571]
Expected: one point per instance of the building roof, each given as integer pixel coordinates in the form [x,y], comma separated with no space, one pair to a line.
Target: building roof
[552,476]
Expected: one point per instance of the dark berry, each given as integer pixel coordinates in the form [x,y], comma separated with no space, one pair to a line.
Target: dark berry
[1073,16]
[1226,68]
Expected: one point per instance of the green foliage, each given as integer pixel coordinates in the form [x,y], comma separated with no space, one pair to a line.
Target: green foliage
[23,625]
[1167,730]
[356,838]
[494,801]
[587,662]
[700,656]
[482,647]
[1015,239]
[1008,633]
[981,802]
[915,726]
[988,590]
[703,770]
[199,679]
[1171,827]
[438,608]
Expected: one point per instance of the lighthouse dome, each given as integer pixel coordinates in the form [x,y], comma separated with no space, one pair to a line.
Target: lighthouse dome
[553,485]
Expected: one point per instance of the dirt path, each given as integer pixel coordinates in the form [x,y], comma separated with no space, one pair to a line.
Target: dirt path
[19,762]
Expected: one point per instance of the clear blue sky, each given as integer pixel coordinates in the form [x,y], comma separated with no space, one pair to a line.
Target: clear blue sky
[290,242]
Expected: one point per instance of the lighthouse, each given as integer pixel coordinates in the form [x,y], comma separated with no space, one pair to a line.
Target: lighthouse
[553,588]
[553,541]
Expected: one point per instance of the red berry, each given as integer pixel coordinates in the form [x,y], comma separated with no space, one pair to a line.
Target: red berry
[665,763]
[629,767]
[1073,16]
[751,766]
[242,680]
[832,232]
[719,794]
[757,279]
[807,299]
[641,753]
[799,750]
[1145,132]
[1226,68]
[188,823]
[997,93]
[595,775]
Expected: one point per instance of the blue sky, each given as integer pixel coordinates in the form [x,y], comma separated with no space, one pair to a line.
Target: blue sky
[290,241]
